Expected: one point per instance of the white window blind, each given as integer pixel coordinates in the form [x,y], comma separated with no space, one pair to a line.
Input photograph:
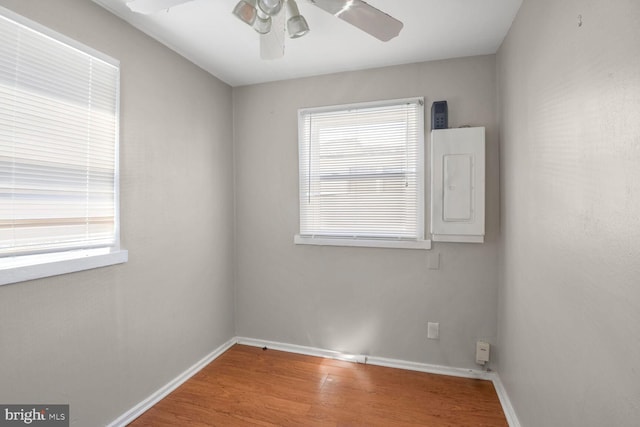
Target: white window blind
[58,143]
[361,171]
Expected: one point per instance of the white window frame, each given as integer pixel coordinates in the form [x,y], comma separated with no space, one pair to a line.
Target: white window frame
[378,242]
[18,268]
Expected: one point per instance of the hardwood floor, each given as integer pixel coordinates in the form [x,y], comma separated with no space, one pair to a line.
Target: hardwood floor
[248,386]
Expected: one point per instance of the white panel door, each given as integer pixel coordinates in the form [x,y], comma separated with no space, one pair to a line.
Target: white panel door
[458,184]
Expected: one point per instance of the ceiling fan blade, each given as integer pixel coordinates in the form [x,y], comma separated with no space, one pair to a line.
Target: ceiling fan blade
[148,7]
[272,43]
[364,16]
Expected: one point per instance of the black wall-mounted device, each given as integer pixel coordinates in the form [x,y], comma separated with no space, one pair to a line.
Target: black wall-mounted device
[439,115]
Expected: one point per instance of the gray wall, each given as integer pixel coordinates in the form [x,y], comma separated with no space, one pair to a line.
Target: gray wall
[570,155]
[103,340]
[569,306]
[358,300]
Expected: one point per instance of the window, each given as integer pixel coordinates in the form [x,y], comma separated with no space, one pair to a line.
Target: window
[362,174]
[58,148]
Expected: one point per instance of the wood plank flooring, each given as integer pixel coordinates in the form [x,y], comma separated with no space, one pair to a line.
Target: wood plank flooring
[249,386]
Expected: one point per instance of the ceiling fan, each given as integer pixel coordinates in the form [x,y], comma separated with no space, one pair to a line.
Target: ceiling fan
[270,18]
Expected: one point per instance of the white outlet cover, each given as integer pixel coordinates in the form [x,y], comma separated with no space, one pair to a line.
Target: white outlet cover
[433,330]
[434,261]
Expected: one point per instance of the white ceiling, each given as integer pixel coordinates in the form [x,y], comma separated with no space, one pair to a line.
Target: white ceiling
[206,33]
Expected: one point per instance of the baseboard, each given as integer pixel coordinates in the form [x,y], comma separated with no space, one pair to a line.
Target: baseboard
[507,407]
[371,360]
[147,403]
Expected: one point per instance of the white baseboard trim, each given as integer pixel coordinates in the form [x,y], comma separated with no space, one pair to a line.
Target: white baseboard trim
[161,393]
[507,407]
[370,360]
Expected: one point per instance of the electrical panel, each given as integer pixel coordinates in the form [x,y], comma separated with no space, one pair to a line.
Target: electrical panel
[458,184]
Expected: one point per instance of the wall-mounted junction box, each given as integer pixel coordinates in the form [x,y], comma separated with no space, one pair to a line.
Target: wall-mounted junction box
[482,352]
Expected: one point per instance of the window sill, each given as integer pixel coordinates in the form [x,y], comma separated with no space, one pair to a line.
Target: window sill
[366,243]
[30,267]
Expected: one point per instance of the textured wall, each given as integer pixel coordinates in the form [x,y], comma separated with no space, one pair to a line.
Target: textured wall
[103,340]
[569,81]
[358,300]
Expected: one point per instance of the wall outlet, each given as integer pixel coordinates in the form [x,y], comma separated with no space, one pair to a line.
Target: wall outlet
[433,331]
[434,261]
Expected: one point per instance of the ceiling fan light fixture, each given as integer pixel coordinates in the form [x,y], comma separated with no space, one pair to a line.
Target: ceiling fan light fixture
[296,25]
[246,11]
[270,7]
[262,24]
